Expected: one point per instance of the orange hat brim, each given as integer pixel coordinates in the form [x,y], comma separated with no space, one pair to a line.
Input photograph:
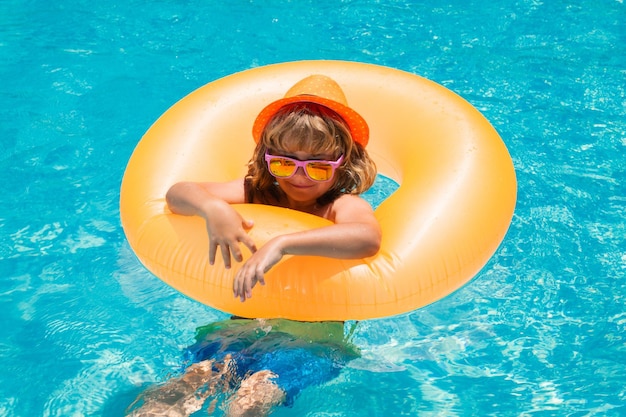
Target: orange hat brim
[356,123]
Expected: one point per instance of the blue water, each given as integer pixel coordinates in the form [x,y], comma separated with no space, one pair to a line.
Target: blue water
[540,331]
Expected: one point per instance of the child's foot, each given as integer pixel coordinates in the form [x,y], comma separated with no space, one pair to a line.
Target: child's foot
[256,396]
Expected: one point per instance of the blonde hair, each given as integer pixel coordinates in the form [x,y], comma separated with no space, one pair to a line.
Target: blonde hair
[315,129]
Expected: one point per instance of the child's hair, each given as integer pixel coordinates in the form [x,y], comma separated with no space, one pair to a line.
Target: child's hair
[315,129]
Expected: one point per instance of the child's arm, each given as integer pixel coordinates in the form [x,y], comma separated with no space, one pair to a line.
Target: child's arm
[211,201]
[355,234]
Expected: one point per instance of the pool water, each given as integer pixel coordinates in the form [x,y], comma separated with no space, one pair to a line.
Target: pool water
[540,331]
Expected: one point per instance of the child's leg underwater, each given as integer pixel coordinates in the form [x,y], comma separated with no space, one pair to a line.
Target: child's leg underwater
[185,395]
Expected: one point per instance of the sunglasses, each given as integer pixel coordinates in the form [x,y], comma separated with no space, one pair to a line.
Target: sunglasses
[316,170]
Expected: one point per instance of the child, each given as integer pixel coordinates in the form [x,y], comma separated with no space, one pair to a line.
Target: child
[310,156]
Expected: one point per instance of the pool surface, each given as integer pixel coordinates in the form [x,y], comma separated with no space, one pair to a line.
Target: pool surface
[541,330]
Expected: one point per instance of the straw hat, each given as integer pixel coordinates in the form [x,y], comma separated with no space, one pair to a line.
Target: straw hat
[322,90]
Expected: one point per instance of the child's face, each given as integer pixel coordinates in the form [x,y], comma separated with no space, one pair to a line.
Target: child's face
[300,187]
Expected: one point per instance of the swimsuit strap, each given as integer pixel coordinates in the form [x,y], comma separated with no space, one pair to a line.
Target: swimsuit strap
[351,332]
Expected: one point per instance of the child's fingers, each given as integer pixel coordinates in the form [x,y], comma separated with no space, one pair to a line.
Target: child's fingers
[247,287]
[212,251]
[235,251]
[244,282]
[226,255]
[247,240]
[237,283]
[256,275]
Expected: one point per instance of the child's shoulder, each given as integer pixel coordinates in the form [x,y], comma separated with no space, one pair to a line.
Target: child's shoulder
[350,205]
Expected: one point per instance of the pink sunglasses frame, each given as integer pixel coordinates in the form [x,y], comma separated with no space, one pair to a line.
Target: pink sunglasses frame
[302,164]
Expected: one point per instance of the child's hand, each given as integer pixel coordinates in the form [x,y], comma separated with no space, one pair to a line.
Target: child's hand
[254,269]
[227,229]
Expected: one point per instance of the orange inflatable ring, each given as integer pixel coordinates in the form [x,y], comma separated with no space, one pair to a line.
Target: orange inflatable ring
[454,204]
